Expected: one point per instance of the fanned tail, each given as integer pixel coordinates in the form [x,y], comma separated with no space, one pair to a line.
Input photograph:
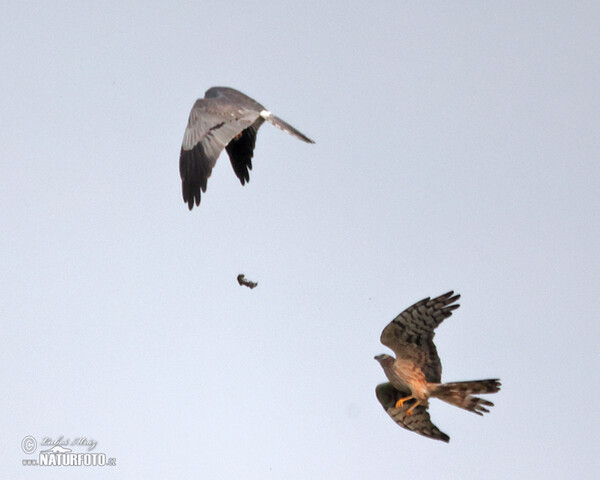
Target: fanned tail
[460,394]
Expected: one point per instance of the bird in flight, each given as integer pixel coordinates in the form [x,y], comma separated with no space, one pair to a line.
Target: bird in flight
[415,374]
[223,119]
[242,280]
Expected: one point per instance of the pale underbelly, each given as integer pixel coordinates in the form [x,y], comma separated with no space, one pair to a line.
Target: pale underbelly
[407,375]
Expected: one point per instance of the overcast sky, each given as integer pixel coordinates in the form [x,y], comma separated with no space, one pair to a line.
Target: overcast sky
[456,149]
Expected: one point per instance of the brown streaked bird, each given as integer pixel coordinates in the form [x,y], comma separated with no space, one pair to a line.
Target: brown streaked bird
[415,374]
[223,119]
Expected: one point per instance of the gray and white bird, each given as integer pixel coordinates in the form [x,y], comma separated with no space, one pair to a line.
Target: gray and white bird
[223,119]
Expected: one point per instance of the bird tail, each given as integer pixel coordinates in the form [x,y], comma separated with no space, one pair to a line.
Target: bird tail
[283,125]
[460,394]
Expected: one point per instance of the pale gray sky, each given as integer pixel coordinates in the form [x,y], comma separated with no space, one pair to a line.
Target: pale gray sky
[457,148]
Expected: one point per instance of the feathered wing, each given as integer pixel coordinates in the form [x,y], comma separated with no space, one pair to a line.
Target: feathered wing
[419,422]
[410,334]
[241,151]
[212,125]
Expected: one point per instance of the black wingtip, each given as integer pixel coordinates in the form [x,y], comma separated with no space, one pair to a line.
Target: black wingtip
[195,169]
[189,195]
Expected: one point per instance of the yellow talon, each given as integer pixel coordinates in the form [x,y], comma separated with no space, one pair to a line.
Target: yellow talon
[409,412]
[400,402]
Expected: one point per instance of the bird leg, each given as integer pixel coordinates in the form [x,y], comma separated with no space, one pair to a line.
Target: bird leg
[401,401]
[409,412]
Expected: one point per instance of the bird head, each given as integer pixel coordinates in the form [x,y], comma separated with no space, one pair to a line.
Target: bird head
[384,359]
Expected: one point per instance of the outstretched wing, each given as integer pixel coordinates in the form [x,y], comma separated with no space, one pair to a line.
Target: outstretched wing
[212,124]
[419,422]
[241,151]
[410,334]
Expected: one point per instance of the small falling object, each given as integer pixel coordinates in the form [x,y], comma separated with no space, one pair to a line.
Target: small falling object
[247,283]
